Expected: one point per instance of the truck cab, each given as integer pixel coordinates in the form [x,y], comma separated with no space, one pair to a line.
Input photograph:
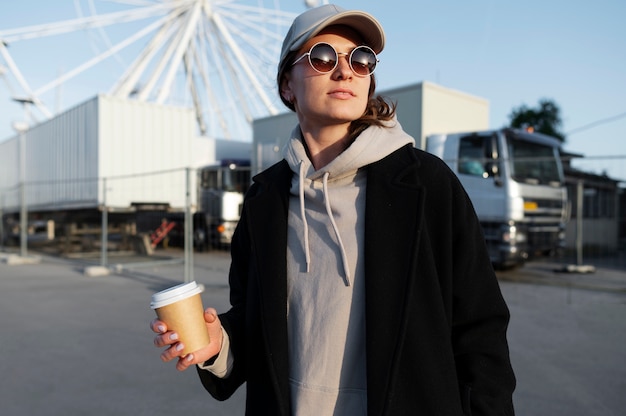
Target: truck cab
[220,200]
[515,181]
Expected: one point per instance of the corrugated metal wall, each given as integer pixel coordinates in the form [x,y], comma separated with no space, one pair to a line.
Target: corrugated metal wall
[9,163]
[141,148]
[144,149]
[61,161]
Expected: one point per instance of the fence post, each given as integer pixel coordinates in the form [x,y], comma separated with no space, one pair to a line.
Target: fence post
[579,222]
[104,225]
[1,220]
[579,267]
[23,211]
[188,229]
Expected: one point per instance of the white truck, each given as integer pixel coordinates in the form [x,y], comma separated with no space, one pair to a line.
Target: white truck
[221,189]
[515,181]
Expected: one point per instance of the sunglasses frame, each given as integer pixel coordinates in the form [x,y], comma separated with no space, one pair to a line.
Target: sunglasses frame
[337,54]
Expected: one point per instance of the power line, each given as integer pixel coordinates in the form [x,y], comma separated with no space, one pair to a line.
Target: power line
[596,123]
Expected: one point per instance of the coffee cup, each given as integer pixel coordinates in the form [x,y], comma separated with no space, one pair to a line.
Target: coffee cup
[180,307]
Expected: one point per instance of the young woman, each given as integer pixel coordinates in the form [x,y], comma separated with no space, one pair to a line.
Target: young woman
[360,282]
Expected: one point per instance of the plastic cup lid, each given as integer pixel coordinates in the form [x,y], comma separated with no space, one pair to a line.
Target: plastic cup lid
[175,293]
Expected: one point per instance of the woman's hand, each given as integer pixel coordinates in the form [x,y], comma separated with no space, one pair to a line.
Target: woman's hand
[169,339]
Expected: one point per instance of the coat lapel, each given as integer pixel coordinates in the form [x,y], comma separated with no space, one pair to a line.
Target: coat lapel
[267,214]
[392,219]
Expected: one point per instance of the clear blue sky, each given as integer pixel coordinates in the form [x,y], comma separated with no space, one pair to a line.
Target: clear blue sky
[510,53]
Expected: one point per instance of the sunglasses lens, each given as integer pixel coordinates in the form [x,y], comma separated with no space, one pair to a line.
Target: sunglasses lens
[363,60]
[323,57]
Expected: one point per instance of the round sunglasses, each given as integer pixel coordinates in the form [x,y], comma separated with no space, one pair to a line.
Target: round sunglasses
[323,58]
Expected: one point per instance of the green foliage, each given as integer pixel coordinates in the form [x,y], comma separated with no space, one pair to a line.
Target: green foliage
[544,119]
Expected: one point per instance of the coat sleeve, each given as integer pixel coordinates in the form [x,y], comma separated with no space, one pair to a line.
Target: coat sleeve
[480,316]
[233,321]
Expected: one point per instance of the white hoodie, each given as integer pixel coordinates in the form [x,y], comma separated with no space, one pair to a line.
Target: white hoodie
[326,292]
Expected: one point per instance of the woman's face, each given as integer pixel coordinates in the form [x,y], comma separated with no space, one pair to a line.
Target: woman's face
[335,97]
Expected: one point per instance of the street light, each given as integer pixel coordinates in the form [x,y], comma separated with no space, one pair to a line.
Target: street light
[21,127]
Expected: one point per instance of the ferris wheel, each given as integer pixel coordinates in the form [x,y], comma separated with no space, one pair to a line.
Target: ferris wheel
[218,57]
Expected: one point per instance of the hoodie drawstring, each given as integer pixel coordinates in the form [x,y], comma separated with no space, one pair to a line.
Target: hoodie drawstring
[344,257]
[307,253]
[329,212]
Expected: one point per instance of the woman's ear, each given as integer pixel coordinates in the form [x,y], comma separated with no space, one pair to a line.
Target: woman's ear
[285,90]
[287,95]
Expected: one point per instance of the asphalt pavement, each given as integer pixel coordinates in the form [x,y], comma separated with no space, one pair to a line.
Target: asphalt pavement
[78,344]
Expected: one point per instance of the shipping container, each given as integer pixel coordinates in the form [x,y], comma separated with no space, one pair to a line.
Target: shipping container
[141,149]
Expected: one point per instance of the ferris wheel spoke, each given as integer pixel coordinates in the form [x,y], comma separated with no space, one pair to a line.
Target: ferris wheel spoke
[229,77]
[128,82]
[210,95]
[30,96]
[257,11]
[3,74]
[233,86]
[100,30]
[215,48]
[266,56]
[253,17]
[171,45]
[239,102]
[73,25]
[188,27]
[243,63]
[191,84]
[254,29]
[97,59]
[131,2]
[217,56]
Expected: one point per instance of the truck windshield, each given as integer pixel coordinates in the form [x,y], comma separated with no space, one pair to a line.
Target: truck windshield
[533,163]
[224,178]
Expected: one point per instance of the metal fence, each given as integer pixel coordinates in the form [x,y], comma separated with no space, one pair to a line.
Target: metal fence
[596,232]
[129,217]
[138,216]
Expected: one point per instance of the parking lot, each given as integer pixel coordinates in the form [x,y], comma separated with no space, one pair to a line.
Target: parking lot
[79,345]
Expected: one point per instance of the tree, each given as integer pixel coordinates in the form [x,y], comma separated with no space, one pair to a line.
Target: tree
[545,119]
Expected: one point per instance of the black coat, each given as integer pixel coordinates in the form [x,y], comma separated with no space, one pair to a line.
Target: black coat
[435,317]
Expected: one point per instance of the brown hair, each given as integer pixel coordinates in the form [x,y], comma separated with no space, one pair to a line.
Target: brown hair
[377,111]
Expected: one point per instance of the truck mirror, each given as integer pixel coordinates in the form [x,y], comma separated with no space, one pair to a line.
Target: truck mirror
[492,169]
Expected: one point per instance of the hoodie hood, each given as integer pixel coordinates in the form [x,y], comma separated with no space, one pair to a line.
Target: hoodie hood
[373,144]
[312,186]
